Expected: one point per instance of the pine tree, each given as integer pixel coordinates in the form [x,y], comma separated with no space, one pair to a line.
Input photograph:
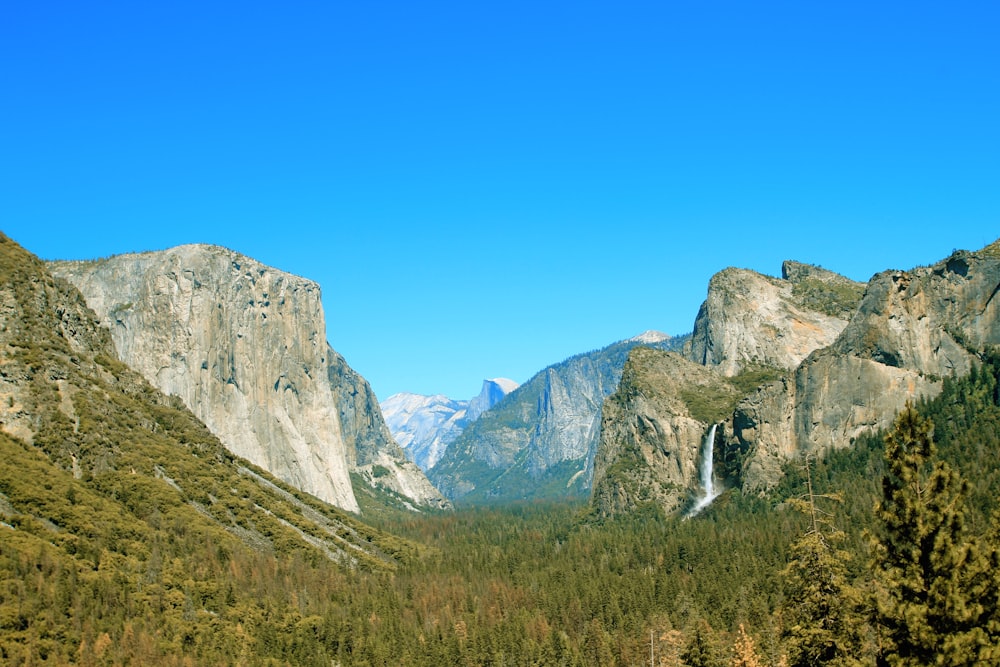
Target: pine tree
[932,585]
[822,610]
[702,649]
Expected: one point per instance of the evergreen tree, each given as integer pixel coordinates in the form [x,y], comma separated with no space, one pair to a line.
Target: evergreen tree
[822,610]
[702,650]
[932,584]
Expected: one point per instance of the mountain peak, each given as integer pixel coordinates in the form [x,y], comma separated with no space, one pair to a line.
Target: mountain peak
[424,426]
[649,337]
[506,384]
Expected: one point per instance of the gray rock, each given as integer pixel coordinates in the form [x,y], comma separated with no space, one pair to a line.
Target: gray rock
[244,346]
[749,319]
[539,441]
[750,327]
[912,329]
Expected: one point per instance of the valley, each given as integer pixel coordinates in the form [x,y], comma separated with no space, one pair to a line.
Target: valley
[191,474]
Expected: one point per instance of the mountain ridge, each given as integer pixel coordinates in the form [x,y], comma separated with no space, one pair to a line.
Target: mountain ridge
[539,442]
[425,425]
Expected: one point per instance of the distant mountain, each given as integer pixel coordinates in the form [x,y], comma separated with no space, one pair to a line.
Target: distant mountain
[493,391]
[243,345]
[540,440]
[425,425]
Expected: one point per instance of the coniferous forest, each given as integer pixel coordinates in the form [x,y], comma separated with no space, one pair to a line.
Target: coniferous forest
[832,568]
[129,536]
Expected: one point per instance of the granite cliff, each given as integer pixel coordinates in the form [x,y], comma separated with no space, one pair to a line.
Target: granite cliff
[749,319]
[101,467]
[751,329]
[911,330]
[652,430]
[244,346]
[791,367]
[540,440]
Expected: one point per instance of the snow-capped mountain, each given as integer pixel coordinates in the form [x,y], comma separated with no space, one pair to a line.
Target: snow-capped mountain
[425,425]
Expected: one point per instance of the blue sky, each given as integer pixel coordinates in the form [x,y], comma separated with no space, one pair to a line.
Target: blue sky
[483,189]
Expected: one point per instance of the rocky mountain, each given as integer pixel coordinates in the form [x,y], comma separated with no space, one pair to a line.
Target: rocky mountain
[651,432]
[911,330]
[540,440]
[425,425]
[751,320]
[790,367]
[243,346]
[751,329]
[128,533]
[100,430]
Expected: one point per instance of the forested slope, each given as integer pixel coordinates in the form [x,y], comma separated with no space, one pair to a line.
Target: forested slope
[128,534]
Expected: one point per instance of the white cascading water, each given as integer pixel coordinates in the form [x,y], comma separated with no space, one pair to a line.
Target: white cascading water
[707,482]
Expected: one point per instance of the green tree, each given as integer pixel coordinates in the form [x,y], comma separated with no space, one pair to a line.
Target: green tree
[822,610]
[703,649]
[932,586]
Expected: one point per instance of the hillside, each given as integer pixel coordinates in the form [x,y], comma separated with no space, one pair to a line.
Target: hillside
[129,533]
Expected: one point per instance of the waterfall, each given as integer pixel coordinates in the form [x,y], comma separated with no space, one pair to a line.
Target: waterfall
[708,492]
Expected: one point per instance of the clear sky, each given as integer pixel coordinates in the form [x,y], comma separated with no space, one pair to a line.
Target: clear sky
[485,188]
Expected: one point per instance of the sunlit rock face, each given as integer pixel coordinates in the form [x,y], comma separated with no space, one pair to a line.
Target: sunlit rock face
[244,346]
[650,442]
[749,319]
[911,330]
[848,360]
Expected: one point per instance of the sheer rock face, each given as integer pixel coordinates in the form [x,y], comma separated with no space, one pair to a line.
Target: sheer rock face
[650,444]
[751,319]
[244,346]
[540,440]
[372,452]
[911,330]
[649,439]
[851,364]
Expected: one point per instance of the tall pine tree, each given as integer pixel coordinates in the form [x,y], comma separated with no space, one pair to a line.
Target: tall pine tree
[932,587]
[823,621]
